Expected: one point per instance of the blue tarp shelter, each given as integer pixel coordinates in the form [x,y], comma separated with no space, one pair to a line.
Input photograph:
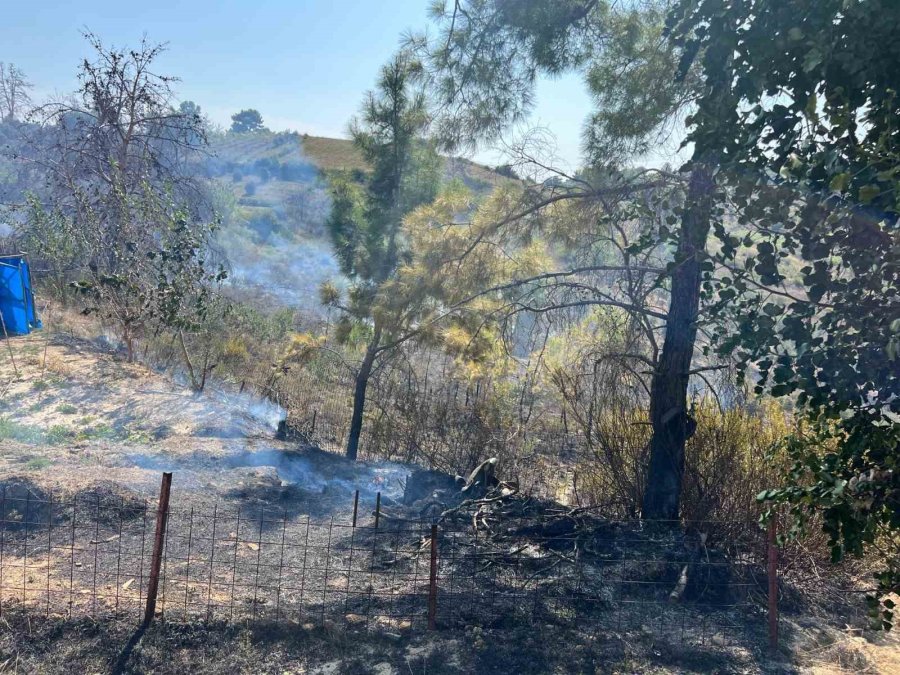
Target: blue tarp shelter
[16,296]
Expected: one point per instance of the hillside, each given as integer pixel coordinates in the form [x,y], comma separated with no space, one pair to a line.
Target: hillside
[326,154]
[339,154]
[274,196]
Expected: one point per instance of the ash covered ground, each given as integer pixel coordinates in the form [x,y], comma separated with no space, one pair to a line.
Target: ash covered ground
[78,414]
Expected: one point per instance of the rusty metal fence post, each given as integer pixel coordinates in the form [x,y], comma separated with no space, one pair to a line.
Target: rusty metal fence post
[377,509]
[772,573]
[432,580]
[162,516]
[355,506]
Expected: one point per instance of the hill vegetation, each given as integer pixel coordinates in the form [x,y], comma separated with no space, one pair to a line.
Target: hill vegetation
[273,190]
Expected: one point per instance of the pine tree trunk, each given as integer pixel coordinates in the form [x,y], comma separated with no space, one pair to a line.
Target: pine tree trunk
[668,394]
[359,394]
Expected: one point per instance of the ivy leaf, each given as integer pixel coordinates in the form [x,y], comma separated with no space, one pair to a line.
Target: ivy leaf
[868,192]
[839,182]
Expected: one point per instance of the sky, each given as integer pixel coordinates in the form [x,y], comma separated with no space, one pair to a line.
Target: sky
[304,64]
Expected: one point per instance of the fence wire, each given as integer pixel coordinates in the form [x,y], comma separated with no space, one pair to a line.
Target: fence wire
[91,557]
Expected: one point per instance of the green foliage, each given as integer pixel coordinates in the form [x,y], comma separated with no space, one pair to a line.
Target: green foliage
[16,431]
[40,385]
[489,53]
[51,236]
[59,433]
[155,276]
[100,431]
[801,108]
[247,121]
[637,98]
[366,220]
[185,279]
[24,433]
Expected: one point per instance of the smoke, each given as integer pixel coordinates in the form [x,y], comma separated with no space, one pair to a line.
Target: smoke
[288,272]
[274,204]
[317,471]
[255,409]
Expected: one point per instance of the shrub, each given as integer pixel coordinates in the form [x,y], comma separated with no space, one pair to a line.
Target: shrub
[37,463]
[15,431]
[726,462]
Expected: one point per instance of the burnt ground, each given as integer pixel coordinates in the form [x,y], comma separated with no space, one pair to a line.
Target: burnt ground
[86,646]
[79,426]
[78,413]
[37,645]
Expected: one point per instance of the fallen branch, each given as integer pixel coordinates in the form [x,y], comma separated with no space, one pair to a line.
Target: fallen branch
[478,502]
[678,591]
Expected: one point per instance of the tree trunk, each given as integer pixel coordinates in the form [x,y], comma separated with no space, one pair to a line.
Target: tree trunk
[359,394]
[668,394]
[188,362]
[129,344]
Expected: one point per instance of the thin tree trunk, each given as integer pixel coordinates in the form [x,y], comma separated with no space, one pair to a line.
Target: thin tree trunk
[187,361]
[668,393]
[359,394]
[207,369]
[129,344]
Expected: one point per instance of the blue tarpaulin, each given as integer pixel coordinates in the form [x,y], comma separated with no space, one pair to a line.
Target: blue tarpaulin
[16,296]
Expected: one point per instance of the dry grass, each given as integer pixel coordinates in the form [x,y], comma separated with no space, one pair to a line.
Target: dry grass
[333,154]
[828,651]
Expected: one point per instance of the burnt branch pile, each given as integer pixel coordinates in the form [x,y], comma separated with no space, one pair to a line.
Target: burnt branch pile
[507,558]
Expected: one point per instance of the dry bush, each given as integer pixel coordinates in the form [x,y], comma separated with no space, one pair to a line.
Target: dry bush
[612,464]
[726,463]
[57,364]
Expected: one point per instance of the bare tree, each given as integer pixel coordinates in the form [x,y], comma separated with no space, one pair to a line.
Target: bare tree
[116,138]
[14,97]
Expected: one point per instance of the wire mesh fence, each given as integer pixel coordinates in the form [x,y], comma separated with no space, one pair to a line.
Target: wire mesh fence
[80,557]
[93,557]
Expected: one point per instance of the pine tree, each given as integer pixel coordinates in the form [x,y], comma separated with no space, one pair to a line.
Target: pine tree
[366,220]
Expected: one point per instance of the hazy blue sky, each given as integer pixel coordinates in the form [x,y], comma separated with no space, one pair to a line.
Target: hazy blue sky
[304,64]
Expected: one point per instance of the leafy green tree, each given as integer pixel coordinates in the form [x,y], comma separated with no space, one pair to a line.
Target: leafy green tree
[366,219]
[185,290]
[49,236]
[102,149]
[118,200]
[246,121]
[800,105]
[156,283]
